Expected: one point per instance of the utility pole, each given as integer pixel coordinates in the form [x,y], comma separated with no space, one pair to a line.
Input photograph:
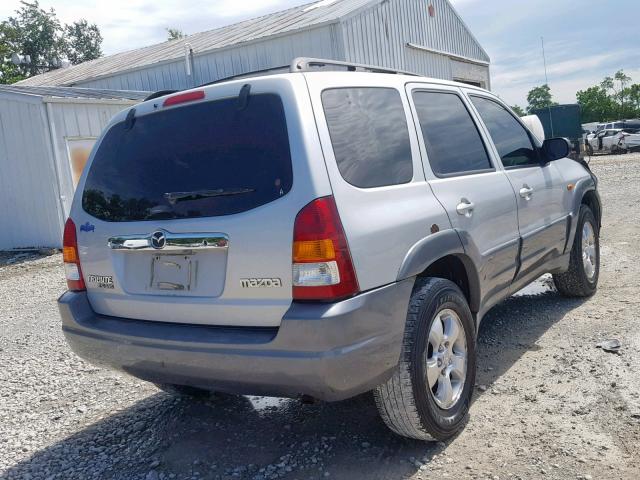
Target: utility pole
[546,79]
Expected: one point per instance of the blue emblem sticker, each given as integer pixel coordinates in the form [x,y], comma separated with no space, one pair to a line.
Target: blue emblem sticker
[87,227]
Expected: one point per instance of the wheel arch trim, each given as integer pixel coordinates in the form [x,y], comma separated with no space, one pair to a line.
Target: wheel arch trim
[583,188]
[435,247]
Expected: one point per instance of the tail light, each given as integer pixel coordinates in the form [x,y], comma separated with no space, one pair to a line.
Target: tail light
[322,266]
[71,259]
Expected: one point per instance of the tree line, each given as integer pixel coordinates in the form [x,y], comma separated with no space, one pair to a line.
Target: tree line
[43,43]
[614,98]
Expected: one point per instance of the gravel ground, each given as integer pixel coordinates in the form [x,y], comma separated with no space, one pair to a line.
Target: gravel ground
[548,402]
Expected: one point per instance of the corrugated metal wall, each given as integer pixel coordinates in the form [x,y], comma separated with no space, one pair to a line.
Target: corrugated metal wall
[75,120]
[322,42]
[379,36]
[29,212]
[36,186]
[153,78]
[274,52]
[376,35]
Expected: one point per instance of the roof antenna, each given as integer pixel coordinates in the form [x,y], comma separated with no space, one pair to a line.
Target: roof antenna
[546,80]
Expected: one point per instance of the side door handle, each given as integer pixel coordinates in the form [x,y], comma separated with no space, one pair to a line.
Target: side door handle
[465,207]
[526,192]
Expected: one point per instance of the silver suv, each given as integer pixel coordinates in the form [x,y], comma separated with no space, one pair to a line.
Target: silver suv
[325,232]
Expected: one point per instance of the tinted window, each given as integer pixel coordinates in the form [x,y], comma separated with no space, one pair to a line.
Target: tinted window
[450,135]
[202,160]
[369,134]
[510,137]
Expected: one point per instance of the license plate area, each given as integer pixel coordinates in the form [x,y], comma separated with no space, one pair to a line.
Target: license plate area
[172,273]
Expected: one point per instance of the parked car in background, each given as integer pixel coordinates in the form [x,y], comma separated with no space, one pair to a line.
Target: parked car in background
[594,127]
[614,140]
[590,127]
[295,235]
[622,124]
[631,140]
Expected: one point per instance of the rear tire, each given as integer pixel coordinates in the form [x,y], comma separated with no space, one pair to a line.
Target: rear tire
[581,279]
[183,390]
[406,402]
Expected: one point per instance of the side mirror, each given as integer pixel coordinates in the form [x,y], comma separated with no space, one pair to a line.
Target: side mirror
[555,149]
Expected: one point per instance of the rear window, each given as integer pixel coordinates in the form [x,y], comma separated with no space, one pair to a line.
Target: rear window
[369,134]
[202,160]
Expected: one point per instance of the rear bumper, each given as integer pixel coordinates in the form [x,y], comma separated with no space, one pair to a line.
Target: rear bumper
[329,351]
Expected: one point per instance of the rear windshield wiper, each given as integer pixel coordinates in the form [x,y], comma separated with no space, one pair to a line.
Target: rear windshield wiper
[174,197]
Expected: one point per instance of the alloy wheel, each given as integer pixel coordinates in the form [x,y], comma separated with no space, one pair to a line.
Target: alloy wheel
[446,359]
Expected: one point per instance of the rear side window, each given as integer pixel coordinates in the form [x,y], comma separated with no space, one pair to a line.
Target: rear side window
[201,160]
[450,136]
[369,134]
[509,136]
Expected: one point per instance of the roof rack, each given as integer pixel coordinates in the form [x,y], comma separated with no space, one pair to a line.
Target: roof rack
[303,64]
[300,65]
[253,73]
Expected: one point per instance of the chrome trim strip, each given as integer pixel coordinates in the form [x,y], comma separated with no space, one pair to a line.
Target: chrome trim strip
[174,241]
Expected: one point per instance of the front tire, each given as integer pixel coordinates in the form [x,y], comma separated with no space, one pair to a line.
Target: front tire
[429,394]
[581,279]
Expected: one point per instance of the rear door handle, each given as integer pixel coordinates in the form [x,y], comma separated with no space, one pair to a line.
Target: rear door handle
[465,207]
[526,192]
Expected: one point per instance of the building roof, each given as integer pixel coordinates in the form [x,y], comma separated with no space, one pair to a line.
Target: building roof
[302,17]
[297,18]
[74,92]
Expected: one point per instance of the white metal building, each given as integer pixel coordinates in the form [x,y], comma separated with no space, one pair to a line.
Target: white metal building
[47,119]
[427,37]
[45,134]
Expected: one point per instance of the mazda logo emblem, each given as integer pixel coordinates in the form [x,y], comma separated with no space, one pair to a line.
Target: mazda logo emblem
[158,240]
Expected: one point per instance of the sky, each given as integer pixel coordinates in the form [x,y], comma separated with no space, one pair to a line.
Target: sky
[584,40]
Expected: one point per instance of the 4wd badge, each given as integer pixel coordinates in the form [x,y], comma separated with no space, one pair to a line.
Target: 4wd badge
[260,282]
[101,281]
